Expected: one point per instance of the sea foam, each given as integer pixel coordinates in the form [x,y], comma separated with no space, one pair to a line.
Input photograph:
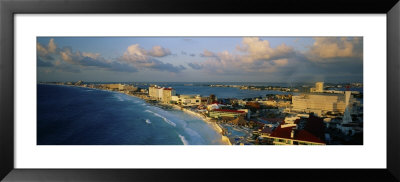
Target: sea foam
[164,118]
[184,141]
[118,97]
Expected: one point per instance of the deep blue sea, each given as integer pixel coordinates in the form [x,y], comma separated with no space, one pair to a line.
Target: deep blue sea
[81,116]
[69,115]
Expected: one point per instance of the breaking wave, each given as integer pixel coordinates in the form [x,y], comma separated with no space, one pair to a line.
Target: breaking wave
[184,141]
[148,121]
[118,97]
[164,118]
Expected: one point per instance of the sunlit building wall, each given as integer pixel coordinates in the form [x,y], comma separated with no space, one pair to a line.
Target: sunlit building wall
[153,92]
[167,94]
[319,104]
[319,86]
[160,94]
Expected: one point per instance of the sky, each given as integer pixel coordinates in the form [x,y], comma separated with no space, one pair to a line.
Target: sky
[200,59]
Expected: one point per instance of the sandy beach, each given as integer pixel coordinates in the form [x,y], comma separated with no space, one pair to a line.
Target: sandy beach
[214,125]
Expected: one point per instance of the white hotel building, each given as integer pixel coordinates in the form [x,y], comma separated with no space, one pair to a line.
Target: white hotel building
[187,100]
[161,93]
[320,104]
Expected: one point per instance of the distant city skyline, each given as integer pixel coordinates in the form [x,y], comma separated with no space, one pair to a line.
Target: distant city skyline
[200,59]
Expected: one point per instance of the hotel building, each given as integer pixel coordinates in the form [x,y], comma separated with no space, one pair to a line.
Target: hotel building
[187,100]
[167,94]
[319,87]
[320,104]
[218,113]
[153,91]
[161,94]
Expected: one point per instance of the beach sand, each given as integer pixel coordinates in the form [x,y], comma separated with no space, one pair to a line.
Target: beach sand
[214,125]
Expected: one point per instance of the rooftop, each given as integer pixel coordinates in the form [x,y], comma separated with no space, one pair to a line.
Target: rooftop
[228,110]
[302,135]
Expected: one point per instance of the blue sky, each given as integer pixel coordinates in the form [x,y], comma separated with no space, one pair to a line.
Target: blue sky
[200,59]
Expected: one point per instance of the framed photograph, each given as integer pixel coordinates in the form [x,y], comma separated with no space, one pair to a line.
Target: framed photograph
[131,90]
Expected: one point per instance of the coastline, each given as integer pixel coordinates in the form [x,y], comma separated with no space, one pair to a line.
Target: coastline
[215,126]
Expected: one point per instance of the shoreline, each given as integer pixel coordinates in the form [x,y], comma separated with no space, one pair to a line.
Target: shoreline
[215,126]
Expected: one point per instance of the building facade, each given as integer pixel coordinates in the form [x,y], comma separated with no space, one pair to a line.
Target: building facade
[161,94]
[292,136]
[153,91]
[218,113]
[320,104]
[319,87]
[167,94]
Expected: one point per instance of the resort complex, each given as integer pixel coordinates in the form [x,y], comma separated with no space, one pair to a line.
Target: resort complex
[319,115]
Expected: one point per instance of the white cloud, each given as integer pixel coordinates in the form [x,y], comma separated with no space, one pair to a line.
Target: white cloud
[135,53]
[42,51]
[91,55]
[46,51]
[257,49]
[52,46]
[331,49]
[158,51]
[66,55]
[329,57]
[66,60]
[207,53]
[256,56]
[141,58]
[133,58]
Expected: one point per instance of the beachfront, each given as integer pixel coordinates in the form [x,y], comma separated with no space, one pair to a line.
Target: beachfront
[271,120]
[206,119]
[167,106]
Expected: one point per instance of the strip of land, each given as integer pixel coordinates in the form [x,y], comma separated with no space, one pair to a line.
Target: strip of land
[315,116]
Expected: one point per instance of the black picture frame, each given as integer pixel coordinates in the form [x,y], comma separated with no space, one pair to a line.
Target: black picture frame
[9,8]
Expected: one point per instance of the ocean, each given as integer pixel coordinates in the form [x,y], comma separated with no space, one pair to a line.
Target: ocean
[68,115]
[82,116]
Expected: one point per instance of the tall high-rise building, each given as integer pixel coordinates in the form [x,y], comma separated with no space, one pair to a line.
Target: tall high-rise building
[161,93]
[154,91]
[319,87]
[347,118]
[167,94]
